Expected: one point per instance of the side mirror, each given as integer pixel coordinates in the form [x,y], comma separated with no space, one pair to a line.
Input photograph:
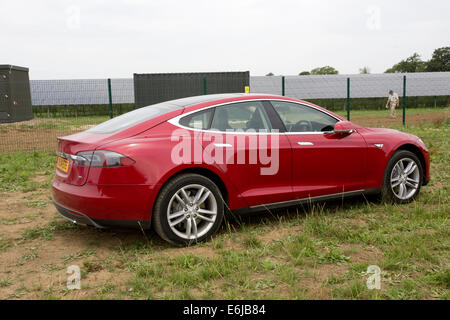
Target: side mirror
[343,128]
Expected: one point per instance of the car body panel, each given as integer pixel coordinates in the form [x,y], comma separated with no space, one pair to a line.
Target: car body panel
[107,201]
[251,180]
[388,141]
[328,163]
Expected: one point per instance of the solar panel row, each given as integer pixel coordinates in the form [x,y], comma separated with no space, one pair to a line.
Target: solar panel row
[95,91]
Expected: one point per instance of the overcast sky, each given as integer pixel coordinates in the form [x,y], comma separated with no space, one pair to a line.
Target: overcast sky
[62,39]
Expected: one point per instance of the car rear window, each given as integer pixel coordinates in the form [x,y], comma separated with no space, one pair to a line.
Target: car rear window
[134,117]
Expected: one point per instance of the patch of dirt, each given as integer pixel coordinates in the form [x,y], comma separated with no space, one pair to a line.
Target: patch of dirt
[199,251]
[37,268]
[358,254]
[32,122]
[321,273]
[40,177]
[356,221]
[425,231]
[31,139]
[16,216]
[279,233]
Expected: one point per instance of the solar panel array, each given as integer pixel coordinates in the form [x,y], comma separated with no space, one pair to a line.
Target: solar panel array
[361,85]
[95,91]
[80,91]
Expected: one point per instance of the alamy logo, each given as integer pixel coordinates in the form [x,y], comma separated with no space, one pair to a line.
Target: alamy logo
[374,281]
[74,280]
[73,17]
[230,147]
[373,21]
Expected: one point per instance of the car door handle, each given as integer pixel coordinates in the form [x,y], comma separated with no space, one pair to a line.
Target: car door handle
[223,145]
[305,143]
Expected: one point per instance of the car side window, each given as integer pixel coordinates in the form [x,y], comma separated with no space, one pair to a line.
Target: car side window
[241,116]
[301,118]
[197,120]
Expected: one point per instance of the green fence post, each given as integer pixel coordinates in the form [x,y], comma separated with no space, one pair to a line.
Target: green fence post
[110,99]
[283,92]
[348,99]
[205,91]
[404,99]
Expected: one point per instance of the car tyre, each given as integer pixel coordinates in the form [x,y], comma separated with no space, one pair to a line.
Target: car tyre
[189,209]
[403,177]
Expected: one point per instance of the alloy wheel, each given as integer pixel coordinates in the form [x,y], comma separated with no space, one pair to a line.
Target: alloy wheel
[405,178]
[192,211]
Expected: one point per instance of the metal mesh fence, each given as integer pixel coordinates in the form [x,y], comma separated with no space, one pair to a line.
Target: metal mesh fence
[362,85]
[365,91]
[63,107]
[158,87]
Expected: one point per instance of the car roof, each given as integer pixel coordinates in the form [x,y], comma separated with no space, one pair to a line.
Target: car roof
[191,101]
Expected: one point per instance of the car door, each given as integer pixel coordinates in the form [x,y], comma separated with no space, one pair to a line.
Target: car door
[322,163]
[242,143]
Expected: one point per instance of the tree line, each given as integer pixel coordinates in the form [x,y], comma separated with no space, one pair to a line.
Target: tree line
[439,62]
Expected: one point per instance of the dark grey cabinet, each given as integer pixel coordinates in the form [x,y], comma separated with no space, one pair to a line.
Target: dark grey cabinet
[15,95]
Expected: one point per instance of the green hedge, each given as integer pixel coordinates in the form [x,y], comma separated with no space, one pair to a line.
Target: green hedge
[68,111]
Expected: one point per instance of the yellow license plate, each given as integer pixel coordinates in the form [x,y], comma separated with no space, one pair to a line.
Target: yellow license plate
[62,164]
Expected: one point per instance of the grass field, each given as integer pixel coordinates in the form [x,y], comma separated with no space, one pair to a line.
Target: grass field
[312,252]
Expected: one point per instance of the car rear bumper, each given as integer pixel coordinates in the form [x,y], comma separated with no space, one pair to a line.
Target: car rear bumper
[81,218]
[104,206]
[75,216]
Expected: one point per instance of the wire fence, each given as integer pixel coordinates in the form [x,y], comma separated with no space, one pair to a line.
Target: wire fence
[362,85]
[63,107]
[363,91]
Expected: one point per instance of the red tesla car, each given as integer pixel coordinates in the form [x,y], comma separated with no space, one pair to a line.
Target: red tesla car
[180,165]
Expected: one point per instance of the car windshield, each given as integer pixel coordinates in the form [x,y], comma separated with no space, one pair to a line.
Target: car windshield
[140,115]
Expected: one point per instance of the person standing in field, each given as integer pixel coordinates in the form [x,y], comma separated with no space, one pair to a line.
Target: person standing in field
[393,101]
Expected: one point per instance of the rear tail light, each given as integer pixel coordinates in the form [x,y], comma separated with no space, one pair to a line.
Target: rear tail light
[101,158]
